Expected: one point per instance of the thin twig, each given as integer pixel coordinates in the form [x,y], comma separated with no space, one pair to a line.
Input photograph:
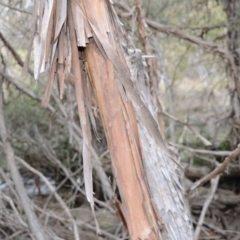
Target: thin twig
[10,201]
[218,170]
[34,224]
[195,40]
[209,45]
[59,199]
[9,183]
[62,120]
[203,151]
[49,155]
[212,190]
[14,235]
[14,53]
[15,9]
[21,88]
[203,139]
[80,223]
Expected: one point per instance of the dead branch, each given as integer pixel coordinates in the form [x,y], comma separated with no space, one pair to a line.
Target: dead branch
[10,201]
[59,199]
[80,223]
[62,120]
[212,190]
[208,45]
[34,224]
[49,155]
[193,130]
[13,52]
[218,170]
[15,9]
[9,182]
[227,197]
[23,89]
[202,151]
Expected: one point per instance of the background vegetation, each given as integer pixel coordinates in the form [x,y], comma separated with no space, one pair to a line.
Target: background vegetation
[197,98]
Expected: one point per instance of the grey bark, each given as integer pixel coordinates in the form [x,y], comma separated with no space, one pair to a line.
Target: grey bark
[232,9]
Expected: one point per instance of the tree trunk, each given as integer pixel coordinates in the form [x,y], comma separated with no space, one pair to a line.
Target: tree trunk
[145,167]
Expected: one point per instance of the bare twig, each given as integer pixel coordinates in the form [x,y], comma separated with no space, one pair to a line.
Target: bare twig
[213,227]
[79,223]
[218,170]
[198,135]
[208,45]
[10,201]
[97,163]
[34,224]
[15,9]
[21,88]
[205,44]
[203,151]
[197,172]
[212,190]
[59,199]
[9,184]
[14,235]
[204,28]
[49,155]
[14,53]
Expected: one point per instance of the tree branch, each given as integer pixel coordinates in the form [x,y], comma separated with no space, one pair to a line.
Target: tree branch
[97,163]
[34,224]
[14,53]
[203,151]
[59,199]
[218,170]
[211,192]
[180,34]
[15,9]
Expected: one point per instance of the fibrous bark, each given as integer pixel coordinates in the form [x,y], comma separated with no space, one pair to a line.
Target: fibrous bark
[145,167]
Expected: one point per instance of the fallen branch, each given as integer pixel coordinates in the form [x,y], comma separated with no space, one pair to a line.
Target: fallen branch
[80,223]
[227,197]
[59,199]
[11,203]
[51,157]
[9,182]
[212,190]
[62,121]
[33,222]
[218,170]
[15,9]
[203,151]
